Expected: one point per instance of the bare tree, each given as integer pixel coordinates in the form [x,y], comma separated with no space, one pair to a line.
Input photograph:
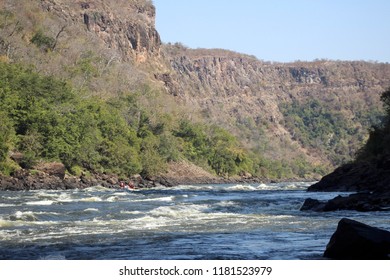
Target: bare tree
[57,37]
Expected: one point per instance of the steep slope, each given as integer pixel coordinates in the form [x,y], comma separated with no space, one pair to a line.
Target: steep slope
[92,43]
[368,175]
[261,101]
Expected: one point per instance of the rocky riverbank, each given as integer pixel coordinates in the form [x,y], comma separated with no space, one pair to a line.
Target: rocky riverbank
[369,181]
[25,180]
[53,176]
[34,180]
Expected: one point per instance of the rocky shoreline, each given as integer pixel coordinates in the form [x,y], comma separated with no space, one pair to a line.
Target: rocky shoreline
[55,178]
[369,182]
[25,180]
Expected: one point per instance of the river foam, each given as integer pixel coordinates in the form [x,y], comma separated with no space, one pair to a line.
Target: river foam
[228,221]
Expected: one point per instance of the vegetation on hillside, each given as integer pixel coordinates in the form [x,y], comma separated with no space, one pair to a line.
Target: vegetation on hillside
[318,126]
[377,147]
[44,119]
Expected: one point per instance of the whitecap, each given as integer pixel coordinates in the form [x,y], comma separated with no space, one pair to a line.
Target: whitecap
[194,187]
[65,197]
[147,222]
[226,203]
[281,187]
[164,198]
[179,211]
[45,193]
[23,216]
[120,193]
[91,199]
[40,202]
[5,223]
[112,199]
[7,205]
[91,210]
[241,188]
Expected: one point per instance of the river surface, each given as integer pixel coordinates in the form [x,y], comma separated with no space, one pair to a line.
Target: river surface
[243,222]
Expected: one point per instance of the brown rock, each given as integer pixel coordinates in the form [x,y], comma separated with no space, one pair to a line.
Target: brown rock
[52,168]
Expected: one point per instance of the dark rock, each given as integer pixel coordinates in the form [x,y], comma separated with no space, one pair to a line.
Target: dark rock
[357,241]
[362,202]
[85,5]
[370,179]
[344,178]
[358,176]
[313,205]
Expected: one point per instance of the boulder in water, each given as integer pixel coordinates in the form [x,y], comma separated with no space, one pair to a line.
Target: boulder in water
[313,205]
[357,241]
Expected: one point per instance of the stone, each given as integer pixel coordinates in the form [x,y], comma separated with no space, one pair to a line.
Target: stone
[353,240]
[362,202]
[313,205]
[56,169]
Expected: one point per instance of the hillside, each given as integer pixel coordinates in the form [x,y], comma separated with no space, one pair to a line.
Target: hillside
[320,110]
[368,174]
[226,112]
[91,43]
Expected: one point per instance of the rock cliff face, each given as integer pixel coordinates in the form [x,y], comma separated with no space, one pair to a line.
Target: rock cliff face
[126,26]
[245,94]
[104,46]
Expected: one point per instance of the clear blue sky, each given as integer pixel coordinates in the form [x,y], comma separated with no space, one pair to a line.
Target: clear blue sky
[280,30]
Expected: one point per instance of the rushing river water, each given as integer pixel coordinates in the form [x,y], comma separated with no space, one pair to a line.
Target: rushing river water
[184,222]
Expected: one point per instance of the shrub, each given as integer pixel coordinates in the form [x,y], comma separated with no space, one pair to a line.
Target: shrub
[42,41]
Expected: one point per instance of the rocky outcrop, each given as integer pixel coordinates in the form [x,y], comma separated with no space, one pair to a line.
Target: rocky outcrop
[24,180]
[362,202]
[56,169]
[245,94]
[126,26]
[185,172]
[371,181]
[357,176]
[357,241]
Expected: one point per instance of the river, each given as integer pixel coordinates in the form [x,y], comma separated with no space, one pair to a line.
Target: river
[187,222]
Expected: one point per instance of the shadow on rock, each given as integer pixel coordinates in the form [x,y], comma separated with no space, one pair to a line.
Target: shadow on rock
[353,240]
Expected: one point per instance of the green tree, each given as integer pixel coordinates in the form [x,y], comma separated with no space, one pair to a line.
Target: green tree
[7,139]
[377,146]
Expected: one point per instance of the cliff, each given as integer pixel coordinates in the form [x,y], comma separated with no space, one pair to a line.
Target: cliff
[90,43]
[253,99]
